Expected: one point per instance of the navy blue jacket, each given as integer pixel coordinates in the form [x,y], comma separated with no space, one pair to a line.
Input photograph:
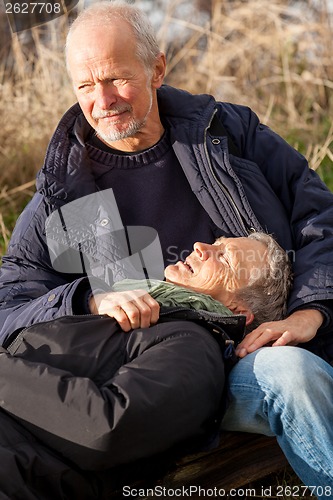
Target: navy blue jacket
[269,188]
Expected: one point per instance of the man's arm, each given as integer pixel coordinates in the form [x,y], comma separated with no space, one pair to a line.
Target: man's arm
[306,201]
[31,291]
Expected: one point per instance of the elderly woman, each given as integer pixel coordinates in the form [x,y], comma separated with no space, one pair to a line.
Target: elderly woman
[95,397]
[249,276]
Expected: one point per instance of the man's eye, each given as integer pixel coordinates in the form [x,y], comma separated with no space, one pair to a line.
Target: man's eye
[84,86]
[118,81]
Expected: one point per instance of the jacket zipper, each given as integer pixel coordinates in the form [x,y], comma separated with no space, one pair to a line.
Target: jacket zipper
[224,189]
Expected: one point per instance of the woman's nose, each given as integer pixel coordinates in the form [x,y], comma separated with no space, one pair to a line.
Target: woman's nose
[201,250]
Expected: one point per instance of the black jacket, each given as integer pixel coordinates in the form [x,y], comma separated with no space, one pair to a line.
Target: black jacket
[86,396]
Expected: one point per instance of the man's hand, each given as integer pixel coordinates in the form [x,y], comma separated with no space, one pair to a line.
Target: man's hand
[299,327]
[131,309]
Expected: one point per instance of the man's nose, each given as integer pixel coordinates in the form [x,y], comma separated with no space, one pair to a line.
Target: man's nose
[202,250]
[106,96]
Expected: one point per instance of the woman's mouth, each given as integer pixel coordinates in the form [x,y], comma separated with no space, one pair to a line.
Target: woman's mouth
[189,267]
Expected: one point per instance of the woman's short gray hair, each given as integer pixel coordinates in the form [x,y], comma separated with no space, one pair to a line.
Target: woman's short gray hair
[267,292]
[103,13]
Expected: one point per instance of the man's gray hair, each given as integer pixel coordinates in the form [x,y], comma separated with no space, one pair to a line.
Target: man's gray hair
[267,293]
[103,13]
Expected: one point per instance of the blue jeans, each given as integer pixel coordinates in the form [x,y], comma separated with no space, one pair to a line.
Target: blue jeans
[287,392]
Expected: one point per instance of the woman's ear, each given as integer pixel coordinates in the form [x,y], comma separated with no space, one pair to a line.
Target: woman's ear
[238,308]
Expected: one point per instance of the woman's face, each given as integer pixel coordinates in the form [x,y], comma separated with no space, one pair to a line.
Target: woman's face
[221,268]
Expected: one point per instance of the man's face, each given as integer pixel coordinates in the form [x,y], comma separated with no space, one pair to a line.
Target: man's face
[111,83]
[221,268]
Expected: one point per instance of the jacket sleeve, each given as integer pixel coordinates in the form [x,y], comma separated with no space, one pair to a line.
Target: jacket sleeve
[31,291]
[306,200]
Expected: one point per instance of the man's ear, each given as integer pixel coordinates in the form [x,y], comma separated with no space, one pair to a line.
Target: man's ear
[242,309]
[159,71]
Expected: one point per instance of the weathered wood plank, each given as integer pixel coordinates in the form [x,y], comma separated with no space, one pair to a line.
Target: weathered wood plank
[240,459]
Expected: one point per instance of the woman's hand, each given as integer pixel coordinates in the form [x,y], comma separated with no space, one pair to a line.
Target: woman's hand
[131,309]
[299,327]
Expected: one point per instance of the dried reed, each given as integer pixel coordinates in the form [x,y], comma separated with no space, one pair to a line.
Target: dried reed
[277,60]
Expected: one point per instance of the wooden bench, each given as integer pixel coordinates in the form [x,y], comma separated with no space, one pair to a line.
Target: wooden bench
[239,459]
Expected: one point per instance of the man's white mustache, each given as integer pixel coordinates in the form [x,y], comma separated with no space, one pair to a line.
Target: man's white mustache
[116,110]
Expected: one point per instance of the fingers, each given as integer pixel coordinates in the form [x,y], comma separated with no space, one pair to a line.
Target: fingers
[285,339]
[268,334]
[154,308]
[118,313]
[139,312]
[282,340]
[254,340]
[131,309]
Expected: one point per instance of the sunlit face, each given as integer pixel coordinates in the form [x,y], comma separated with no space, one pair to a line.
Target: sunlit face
[113,87]
[221,268]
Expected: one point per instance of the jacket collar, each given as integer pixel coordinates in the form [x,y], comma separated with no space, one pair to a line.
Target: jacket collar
[179,108]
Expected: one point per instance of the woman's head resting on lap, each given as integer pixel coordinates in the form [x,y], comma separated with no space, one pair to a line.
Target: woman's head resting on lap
[250,275]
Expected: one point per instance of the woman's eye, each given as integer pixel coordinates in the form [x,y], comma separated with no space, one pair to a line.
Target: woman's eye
[223,258]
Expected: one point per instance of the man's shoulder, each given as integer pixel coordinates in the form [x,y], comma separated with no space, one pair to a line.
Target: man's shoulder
[175,103]
[180,105]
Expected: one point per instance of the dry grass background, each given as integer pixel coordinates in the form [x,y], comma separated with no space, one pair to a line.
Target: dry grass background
[34,93]
[275,57]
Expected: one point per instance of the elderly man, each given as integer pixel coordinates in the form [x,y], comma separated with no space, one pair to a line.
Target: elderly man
[194,169]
